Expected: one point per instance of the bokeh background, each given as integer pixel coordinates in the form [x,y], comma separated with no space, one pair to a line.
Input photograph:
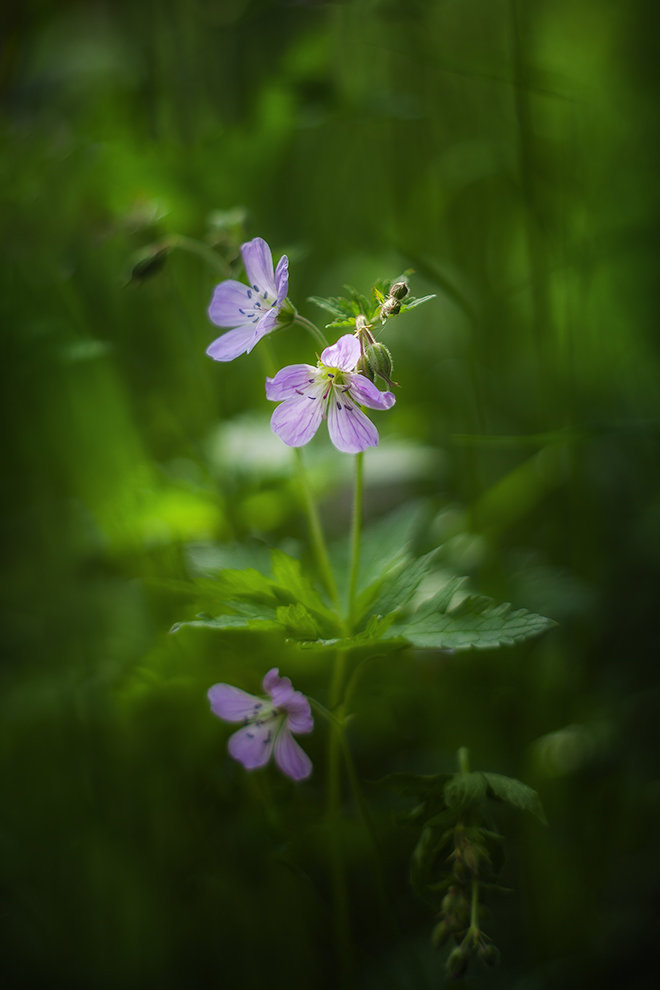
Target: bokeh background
[506,151]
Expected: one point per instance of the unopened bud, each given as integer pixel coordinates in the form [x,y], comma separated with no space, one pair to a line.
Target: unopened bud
[380,361]
[440,934]
[457,962]
[390,307]
[366,369]
[149,262]
[489,954]
[399,290]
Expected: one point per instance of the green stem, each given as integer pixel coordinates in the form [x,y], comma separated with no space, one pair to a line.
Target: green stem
[311,328]
[316,531]
[201,250]
[463,760]
[356,532]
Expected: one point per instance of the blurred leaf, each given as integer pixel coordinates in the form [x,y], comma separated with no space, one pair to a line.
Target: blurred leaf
[411,302]
[288,574]
[475,623]
[466,790]
[298,622]
[372,633]
[244,616]
[515,793]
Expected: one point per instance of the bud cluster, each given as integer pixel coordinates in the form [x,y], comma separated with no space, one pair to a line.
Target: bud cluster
[460,910]
[375,358]
[391,305]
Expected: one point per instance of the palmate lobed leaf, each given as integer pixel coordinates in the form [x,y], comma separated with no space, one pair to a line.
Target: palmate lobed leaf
[475,623]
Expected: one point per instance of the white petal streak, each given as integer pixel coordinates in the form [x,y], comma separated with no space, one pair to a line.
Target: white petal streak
[350,430]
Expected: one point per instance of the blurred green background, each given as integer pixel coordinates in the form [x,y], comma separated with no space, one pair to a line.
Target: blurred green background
[503,149]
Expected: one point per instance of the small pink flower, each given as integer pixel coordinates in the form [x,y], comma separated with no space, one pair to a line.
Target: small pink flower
[267,724]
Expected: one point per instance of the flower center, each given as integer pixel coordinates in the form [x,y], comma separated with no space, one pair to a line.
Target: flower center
[260,301]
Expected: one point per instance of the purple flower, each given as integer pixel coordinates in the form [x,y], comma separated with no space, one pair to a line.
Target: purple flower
[250,309]
[331,390]
[267,724]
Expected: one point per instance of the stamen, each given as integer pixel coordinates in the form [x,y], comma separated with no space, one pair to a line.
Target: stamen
[249,292]
[265,294]
[339,405]
[299,392]
[256,288]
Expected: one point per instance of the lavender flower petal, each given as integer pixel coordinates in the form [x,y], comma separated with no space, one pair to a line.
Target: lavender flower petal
[290,758]
[290,381]
[231,344]
[298,713]
[344,354]
[282,279]
[279,688]
[230,303]
[253,744]
[367,394]
[264,326]
[258,263]
[350,430]
[296,420]
[232,704]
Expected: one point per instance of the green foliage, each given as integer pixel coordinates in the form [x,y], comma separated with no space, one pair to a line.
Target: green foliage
[515,793]
[345,310]
[473,623]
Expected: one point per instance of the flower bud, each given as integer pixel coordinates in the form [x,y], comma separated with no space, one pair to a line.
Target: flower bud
[149,262]
[399,290]
[489,954]
[390,307]
[457,962]
[366,369]
[440,934]
[380,362]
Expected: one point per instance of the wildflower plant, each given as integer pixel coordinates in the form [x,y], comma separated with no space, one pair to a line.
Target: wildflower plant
[380,606]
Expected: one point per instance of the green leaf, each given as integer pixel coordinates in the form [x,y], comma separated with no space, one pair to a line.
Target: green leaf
[387,543]
[332,305]
[397,590]
[362,303]
[245,616]
[372,633]
[298,622]
[412,302]
[466,790]
[288,574]
[515,793]
[475,623]
[245,585]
